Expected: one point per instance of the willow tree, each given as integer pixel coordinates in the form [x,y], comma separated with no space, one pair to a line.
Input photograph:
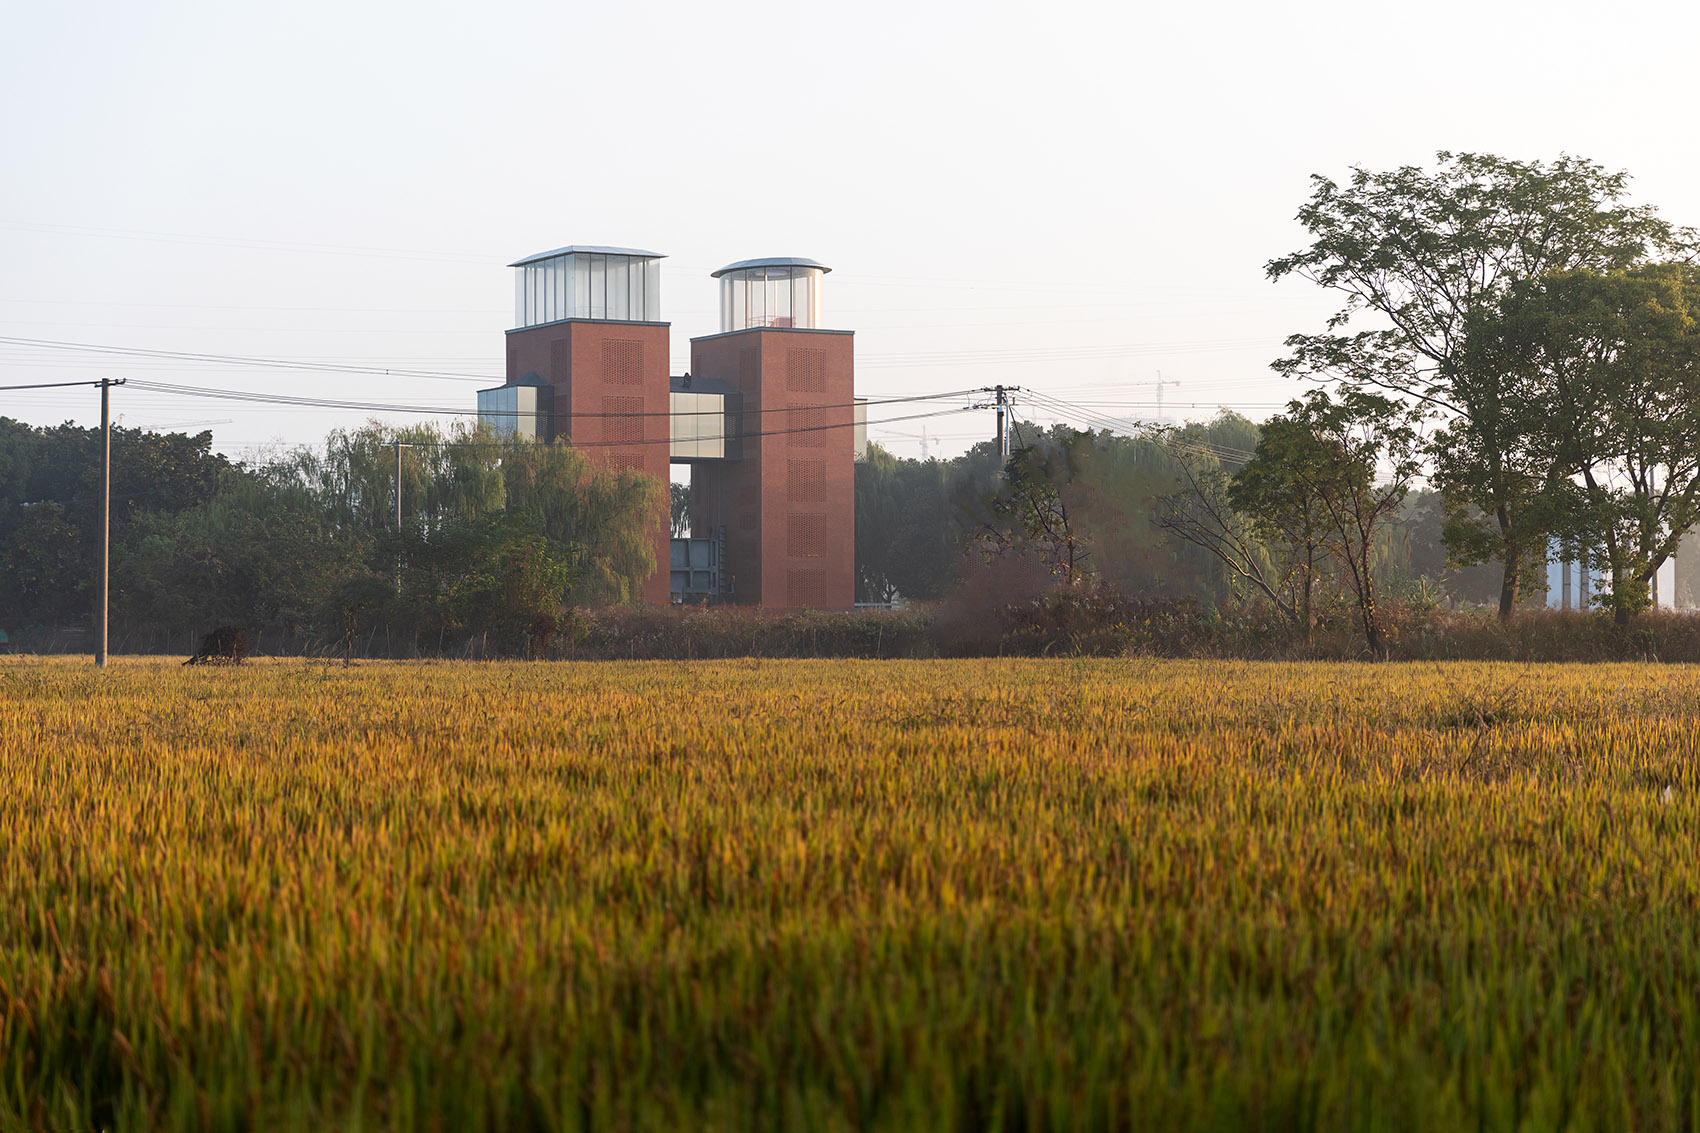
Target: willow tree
[607,517]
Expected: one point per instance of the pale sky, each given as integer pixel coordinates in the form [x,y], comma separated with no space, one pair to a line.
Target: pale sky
[1069,198]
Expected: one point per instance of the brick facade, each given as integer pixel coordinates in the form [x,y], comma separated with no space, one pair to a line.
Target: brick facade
[788,506]
[610,381]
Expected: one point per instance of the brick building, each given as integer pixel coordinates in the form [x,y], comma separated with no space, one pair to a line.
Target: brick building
[766,417]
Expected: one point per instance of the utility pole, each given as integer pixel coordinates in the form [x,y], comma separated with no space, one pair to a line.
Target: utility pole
[398,516]
[105,385]
[101,610]
[1002,404]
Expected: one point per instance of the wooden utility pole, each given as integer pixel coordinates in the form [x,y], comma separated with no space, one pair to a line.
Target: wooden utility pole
[398,516]
[1002,404]
[1003,431]
[105,385]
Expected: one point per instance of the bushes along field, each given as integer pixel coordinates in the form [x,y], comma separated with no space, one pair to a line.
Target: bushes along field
[929,894]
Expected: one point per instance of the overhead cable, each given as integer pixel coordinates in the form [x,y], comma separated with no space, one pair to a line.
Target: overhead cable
[326,403]
[461,411]
[236,360]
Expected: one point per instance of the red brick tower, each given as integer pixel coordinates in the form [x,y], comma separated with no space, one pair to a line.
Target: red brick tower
[589,329]
[787,506]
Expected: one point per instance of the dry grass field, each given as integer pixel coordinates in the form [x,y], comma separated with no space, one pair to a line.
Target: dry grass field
[817,895]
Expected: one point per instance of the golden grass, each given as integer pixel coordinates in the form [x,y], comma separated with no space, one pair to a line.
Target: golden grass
[829,894]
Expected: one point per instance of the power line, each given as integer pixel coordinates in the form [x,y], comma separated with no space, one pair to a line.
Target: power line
[257,307]
[1053,354]
[457,411]
[868,361]
[231,359]
[1056,404]
[1084,412]
[51,385]
[1046,402]
[327,403]
[496,260]
[481,332]
[246,242]
[726,437]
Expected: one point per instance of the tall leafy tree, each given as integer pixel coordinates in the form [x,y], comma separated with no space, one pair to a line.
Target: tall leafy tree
[491,575]
[258,555]
[606,517]
[50,514]
[1427,562]
[45,579]
[1197,512]
[1347,462]
[1031,511]
[1116,484]
[906,536]
[1607,372]
[679,509]
[1284,489]
[1415,254]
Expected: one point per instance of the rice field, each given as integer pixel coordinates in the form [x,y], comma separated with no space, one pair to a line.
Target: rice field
[842,895]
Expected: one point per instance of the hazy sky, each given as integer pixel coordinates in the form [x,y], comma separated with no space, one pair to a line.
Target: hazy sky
[1069,198]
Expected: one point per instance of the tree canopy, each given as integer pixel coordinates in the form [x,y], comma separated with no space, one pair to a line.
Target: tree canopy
[1421,257]
[496,536]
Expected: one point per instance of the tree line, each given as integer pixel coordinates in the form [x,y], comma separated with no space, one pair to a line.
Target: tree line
[1545,329]
[1145,515]
[1515,366]
[302,547]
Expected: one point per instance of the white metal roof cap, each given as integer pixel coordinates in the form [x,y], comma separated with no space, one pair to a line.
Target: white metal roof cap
[591,249]
[771,262]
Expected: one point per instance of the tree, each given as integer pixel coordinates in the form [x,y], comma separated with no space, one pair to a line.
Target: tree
[906,539]
[1421,253]
[495,533]
[1028,513]
[679,514]
[606,517]
[42,579]
[1199,513]
[1283,489]
[258,555]
[1420,539]
[1328,456]
[50,506]
[1607,366]
[495,574]
[1116,483]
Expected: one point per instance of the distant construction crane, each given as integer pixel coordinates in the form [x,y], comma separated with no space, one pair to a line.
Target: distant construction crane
[1160,383]
[926,451]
